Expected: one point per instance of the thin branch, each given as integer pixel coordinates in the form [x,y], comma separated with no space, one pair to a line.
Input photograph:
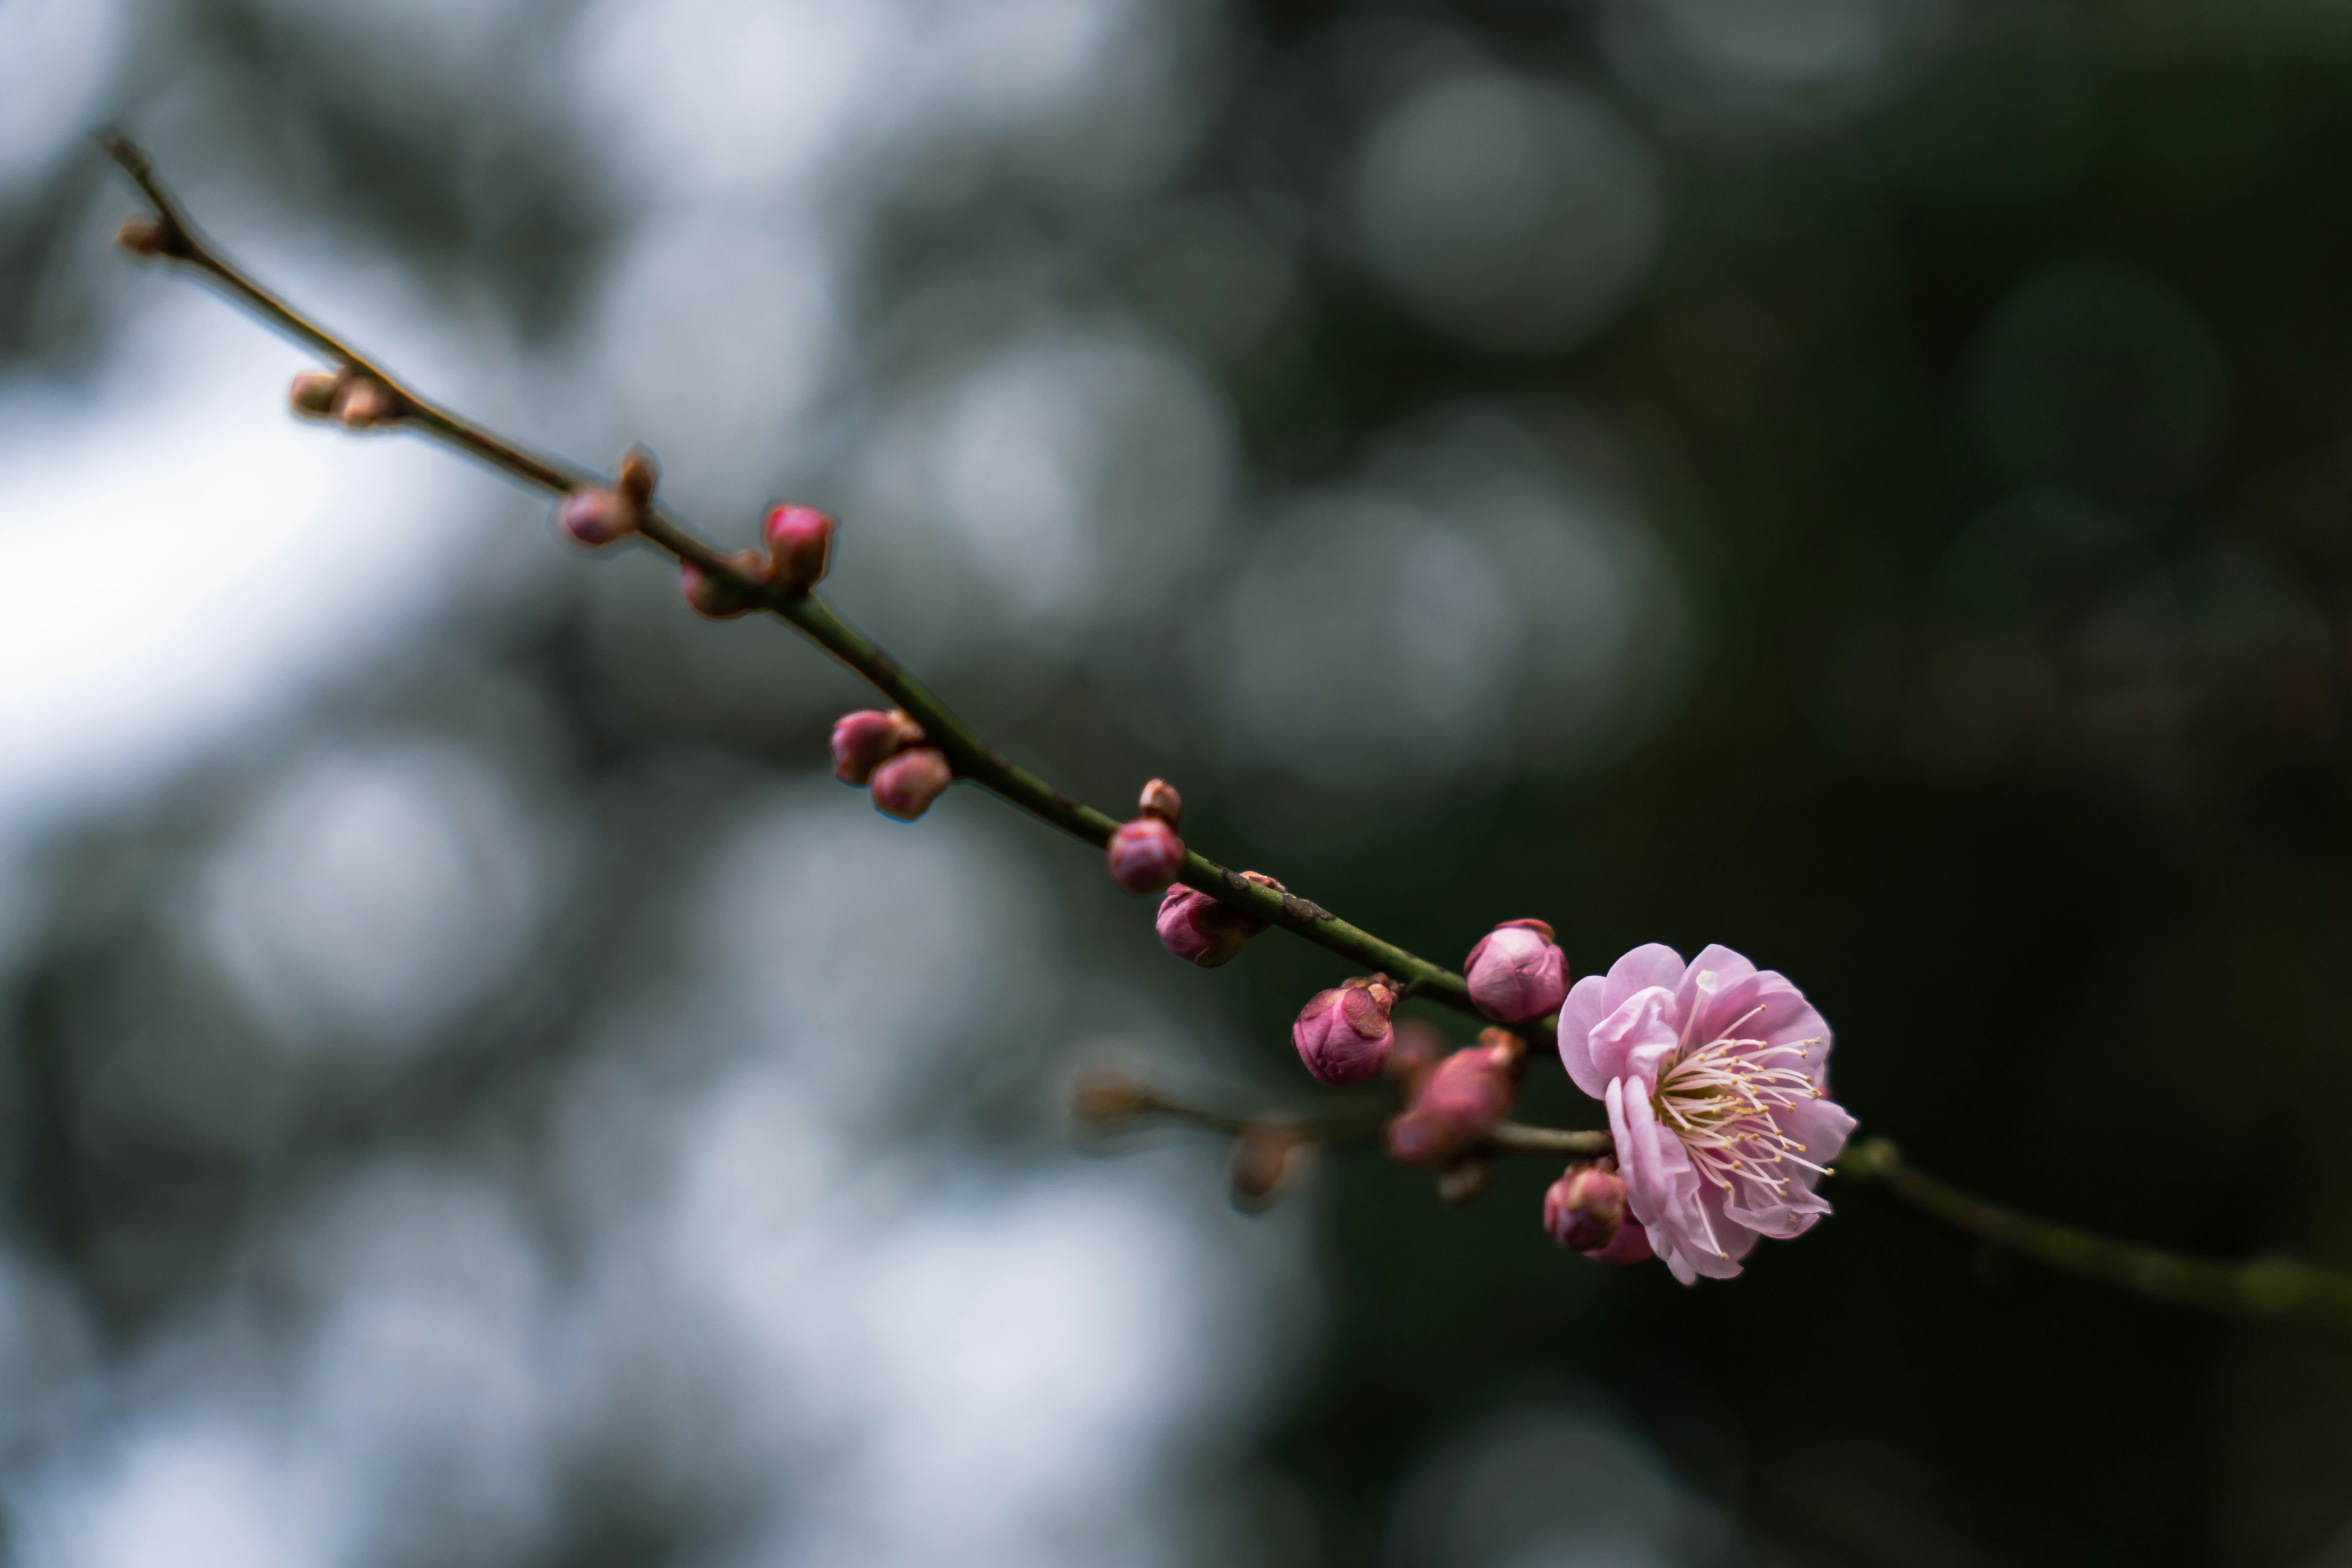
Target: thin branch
[2273,1290]
[974,759]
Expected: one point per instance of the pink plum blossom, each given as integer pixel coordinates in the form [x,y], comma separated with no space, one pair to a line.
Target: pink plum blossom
[1715,1075]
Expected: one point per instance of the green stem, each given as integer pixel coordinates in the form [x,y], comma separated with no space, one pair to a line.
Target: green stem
[2272,1289]
[974,759]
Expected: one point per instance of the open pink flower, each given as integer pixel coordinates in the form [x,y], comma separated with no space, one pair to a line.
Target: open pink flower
[1717,1079]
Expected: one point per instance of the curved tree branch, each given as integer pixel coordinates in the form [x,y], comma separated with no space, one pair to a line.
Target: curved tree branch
[2274,1290]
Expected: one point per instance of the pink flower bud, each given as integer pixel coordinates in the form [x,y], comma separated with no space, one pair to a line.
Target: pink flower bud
[1343,1035]
[313,393]
[363,403]
[905,787]
[1145,855]
[1199,930]
[640,475]
[720,598]
[594,518]
[867,739]
[800,545]
[1516,973]
[1585,1211]
[1468,1092]
[1160,800]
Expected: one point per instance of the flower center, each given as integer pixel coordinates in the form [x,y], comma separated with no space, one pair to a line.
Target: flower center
[1723,1100]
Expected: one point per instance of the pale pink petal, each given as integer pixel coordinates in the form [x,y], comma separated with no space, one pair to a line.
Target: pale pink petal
[1751,1008]
[1640,1160]
[1661,1184]
[1653,963]
[1781,1216]
[1714,971]
[1577,1016]
[1765,1006]
[1821,1126]
[1734,1240]
[1636,1037]
[1637,1151]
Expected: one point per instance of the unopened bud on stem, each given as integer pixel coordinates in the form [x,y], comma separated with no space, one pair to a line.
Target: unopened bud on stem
[1160,800]
[867,739]
[1206,930]
[1585,1211]
[1343,1035]
[905,787]
[594,518]
[800,547]
[1515,971]
[1145,856]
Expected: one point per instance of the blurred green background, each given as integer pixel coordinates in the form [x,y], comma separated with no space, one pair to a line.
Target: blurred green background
[1864,481]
